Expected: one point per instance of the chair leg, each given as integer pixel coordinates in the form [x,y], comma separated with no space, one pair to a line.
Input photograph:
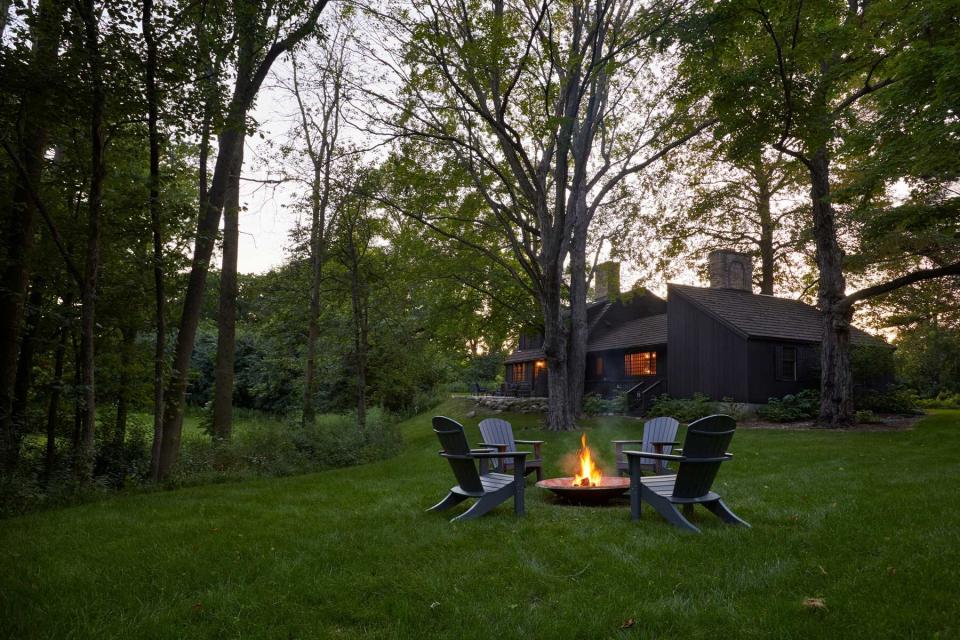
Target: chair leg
[688,510]
[539,473]
[480,507]
[668,510]
[451,500]
[723,512]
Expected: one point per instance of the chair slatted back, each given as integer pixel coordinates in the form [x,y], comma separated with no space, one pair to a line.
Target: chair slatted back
[496,431]
[707,439]
[454,442]
[661,429]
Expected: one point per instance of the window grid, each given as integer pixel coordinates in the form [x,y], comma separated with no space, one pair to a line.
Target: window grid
[643,363]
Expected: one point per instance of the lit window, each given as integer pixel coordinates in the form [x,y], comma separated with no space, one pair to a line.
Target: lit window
[516,372]
[639,364]
[598,367]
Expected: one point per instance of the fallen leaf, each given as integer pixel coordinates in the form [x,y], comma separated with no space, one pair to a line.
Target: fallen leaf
[822,570]
[794,517]
[197,606]
[816,604]
[891,571]
[434,605]
[629,622]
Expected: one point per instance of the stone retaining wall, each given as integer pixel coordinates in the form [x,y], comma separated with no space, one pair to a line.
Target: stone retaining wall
[507,403]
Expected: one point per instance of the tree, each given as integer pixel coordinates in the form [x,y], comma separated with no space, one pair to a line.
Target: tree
[537,103]
[809,74]
[262,37]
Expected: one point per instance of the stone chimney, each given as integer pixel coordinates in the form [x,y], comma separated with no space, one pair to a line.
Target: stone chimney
[607,280]
[730,270]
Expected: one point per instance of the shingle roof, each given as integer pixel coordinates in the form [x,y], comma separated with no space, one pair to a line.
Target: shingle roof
[525,355]
[765,316]
[632,333]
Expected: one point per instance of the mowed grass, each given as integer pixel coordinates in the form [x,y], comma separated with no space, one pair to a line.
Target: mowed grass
[866,521]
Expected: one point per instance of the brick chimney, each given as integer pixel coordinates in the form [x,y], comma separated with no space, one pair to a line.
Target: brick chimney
[607,284]
[730,270]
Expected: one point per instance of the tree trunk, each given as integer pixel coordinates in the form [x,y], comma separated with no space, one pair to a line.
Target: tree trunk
[359,304]
[21,392]
[53,408]
[577,346]
[766,233]
[227,316]
[84,467]
[156,229]
[19,232]
[318,234]
[560,417]
[123,386]
[836,403]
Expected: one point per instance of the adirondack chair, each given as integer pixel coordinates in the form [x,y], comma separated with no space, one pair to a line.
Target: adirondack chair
[490,489]
[498,434]
[659,436]
[704,449]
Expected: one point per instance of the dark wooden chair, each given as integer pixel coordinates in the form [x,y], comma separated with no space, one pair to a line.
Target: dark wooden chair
[659,436]
[489,489]
[498,434]
[704,448]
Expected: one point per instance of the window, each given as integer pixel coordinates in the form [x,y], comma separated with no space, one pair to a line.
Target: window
[516,372]
[598,366]
[787,363]
[639,364]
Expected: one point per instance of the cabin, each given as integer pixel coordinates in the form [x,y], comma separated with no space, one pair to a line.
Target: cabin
[723,341]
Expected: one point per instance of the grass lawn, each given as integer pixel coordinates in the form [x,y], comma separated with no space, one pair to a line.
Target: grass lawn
[867,521]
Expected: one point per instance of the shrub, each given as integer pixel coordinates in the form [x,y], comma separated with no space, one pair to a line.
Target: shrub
[866,417]
[894,399]
[791,407]
[684,409]
[595,404]
[943,400]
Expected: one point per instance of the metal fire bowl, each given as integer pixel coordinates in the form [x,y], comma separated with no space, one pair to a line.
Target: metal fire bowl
[610,487]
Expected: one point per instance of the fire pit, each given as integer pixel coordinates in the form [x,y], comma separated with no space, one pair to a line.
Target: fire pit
[588,486]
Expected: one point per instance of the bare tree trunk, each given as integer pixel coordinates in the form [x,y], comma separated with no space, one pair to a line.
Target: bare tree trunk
[836,403]
[95,197]
[316,273]
[766,231]
[227,316]
[18,236]
[560,417]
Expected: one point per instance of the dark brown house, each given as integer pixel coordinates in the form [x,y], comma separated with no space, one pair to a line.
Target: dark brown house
[723,341]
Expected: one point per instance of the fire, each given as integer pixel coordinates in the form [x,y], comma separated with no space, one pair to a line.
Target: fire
[589,474]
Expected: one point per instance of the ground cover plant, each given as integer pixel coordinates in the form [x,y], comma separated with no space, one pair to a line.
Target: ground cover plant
[851,538]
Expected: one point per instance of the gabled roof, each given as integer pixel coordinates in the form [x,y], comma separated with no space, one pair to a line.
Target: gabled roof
[639,332]
[761,316]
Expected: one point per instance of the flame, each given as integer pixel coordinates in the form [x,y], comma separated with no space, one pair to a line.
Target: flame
[589,474]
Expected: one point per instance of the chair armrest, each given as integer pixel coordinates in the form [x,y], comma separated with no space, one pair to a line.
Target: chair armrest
[627,441]
[536,446]
[657,456]
[483,450]
[664,443]
[494,445]
[499,454]
[529,441]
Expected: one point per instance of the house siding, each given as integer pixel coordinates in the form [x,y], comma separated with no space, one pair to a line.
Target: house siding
[614,379]
[764,381]
[706,355]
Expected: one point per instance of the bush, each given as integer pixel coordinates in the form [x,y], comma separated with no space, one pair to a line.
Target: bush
[792,407]
[595,405]
[866,417]
[891,400]
[684,409]
[943,400]
[273,448]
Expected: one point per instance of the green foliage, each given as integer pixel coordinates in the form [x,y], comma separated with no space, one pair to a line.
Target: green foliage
[596,405]
[943,400]
[928,356]
[792,407]
[865,416]
[892,399]
[683,409]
